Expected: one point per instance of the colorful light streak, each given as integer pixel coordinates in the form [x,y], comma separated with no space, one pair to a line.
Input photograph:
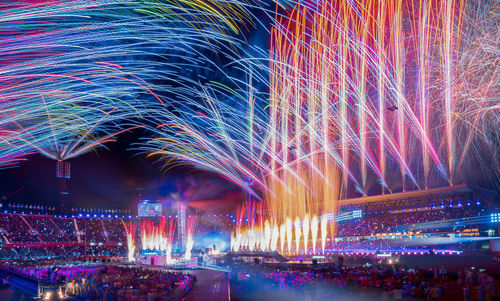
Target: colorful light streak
[190,228]
[158,235]
[257,232]
[74,74]
[131,231]
[356,88]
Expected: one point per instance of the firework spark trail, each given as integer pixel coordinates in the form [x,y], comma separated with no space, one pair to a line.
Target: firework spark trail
[426,36]
[350,92]
[353,89]
[131,231]
[476,107]
[158,235]
[190,229]
[314,232]
[79,72]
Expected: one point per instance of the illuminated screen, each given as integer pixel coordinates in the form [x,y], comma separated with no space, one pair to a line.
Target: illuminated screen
[148,209]
[220,240]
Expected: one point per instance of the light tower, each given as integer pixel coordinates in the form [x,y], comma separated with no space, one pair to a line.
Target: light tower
[63,174]
[181,228]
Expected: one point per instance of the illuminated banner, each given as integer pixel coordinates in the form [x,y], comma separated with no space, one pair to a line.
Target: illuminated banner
[147,208]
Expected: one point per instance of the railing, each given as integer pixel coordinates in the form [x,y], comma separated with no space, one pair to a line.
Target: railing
[207,266]
[44,288]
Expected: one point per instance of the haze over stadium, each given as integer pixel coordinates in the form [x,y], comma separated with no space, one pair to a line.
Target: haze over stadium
[249,150]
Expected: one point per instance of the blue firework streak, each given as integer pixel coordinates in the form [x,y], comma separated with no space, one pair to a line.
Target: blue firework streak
[80,72]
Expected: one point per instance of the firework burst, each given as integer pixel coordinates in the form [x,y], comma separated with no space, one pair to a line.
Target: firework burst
[74,74]
[364,97]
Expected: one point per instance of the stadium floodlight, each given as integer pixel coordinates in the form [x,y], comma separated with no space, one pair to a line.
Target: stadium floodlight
[495,217]
[342,216]
[357,213]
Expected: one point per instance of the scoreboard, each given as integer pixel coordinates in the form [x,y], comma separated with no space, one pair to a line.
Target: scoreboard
[148,208]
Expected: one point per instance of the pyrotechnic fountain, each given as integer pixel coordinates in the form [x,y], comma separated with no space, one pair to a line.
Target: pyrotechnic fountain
[158,235]
[354,88]
[131,230]
[190,228]
[256,231]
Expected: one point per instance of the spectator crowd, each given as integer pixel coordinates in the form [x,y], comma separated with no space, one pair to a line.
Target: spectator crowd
[372,282]
[95,281]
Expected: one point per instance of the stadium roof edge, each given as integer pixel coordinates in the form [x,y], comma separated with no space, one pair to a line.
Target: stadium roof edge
[461,188]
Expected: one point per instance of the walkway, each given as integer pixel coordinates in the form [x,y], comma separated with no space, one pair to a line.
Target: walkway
[21,289]
[210,286]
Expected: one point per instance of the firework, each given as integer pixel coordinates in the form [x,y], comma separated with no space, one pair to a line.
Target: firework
[131,231]
[364,97]
[74,74]
[190,228]
[158,235]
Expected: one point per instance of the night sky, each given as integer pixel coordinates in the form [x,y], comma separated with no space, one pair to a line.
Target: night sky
[116,177]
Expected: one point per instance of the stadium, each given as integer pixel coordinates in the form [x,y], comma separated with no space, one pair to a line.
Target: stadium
[249,150]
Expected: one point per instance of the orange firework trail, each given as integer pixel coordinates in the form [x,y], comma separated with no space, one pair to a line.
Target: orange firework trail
[158,234]
[363,97]
[190,228]
[131,230]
